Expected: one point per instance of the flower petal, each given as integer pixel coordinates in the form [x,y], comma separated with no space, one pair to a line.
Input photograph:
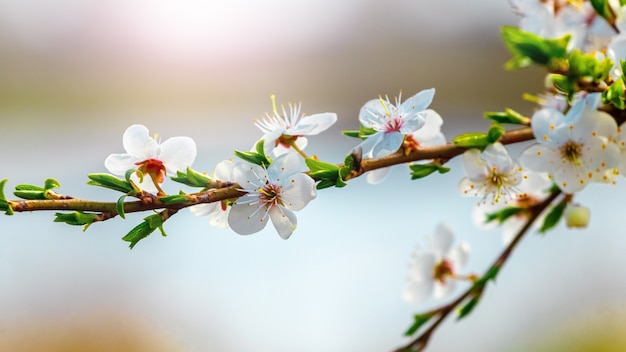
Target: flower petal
[298,191]
[313,124]
[247,218]
[540,158]
[368,145]
[118,164]
[417,292]
[476,168]
[459,255]
[419,102]
[389,144]
[442,240]
[178,153]
[377,176]
[284,221]
[138,143]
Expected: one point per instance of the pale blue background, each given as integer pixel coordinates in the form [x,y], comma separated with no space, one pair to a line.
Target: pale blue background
[74,79]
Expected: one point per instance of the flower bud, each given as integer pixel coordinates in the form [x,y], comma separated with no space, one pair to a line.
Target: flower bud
[577,216]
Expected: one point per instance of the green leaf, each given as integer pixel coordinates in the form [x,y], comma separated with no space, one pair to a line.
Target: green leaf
[361,133]
[615,94]
[322,170]
[144,229]
[468,307]
[472,140]
[508,116]
[495,132]
[423,170]
[77,218]
[51,184]
[503,214]
[192,178]
[119,207]
[176,199]
[4,203]
[418,321]
[30,192]
[490,275]
[584,66]
[111,182]
[564,84]
[325,184]
[603,9]
[553,217]
[258,157]
[528,48]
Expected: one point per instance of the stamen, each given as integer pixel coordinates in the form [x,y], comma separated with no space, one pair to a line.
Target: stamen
[273,97]
[382,102]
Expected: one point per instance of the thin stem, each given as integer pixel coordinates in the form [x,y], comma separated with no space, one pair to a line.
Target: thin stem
[420,342]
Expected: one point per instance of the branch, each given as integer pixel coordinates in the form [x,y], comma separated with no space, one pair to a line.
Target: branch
[441,153]
[420,342]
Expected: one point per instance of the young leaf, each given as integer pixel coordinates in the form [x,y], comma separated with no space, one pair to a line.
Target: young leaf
[495,132]
[423,170]
[553,217]
[144,229]
[4,203]
[508,116]
[192,178]
[468,307]
[119,207]
[418,321]
[471,140]
[111,182]
[528,48]
[361,133]
[30,192]
[502,215]
[77,218]
[51,184]
[615,94]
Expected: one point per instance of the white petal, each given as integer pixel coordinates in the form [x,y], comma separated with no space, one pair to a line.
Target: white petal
[118,164]
[202,209]
[417,292]
[475,167]
[284,221]
[246,219]
[249,176]
[313,124]
[442,240]
[459,255]
[544,123]
[269,140]
[496,155]
[419,102]
[178,153]
[389,144]
[219,218]
[224,170]
[442,290]
[430,134]
[540,158]
[286,165]
[469,188]
[368,145]
[377,176]
[138,143]
[372,114]
[298,191]
[422,267]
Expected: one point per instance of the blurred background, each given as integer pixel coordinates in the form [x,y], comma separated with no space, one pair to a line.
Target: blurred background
[74,74]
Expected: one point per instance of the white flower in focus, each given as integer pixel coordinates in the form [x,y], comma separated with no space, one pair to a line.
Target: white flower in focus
[534,189]
[218,211]
[392,122]
[492,175]
[429,135]
[273,193]
[435,272]
[573,148]
[288,130]
[154,160]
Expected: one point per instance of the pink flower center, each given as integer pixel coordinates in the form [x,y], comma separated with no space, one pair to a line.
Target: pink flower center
[394,124]
[443,270]
[270,194]
[152,167]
